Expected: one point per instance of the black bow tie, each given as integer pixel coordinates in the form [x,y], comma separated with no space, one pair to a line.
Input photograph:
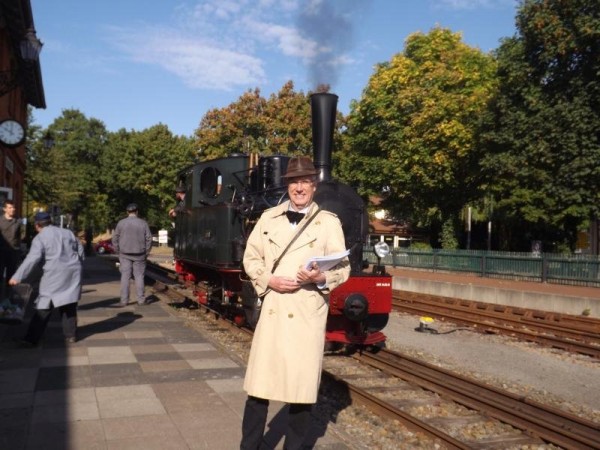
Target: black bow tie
[294,217]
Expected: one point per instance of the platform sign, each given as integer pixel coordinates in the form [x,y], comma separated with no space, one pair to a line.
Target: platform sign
[163,237]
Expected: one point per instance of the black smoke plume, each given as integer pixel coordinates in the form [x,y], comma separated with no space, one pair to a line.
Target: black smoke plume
[330,24]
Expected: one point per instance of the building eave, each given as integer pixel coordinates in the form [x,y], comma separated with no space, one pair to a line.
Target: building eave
[18,19]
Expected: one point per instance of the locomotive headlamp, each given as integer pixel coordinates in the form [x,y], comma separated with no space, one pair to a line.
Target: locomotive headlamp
[356,308]
[382,249]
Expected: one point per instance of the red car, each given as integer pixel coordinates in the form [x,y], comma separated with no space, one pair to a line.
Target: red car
[104,247]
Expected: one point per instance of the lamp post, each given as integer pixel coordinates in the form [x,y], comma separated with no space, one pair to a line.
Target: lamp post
[469,228]
[48,141]
[30,48]
[490,213]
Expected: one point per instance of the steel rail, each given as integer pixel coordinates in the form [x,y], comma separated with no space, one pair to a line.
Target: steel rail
[517,411]
[486,324]
[571,326]
[387,410]
[545,422]
[378,406]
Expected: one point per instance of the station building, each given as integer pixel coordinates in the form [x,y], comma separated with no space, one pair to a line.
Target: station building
[383,228]
[20,86]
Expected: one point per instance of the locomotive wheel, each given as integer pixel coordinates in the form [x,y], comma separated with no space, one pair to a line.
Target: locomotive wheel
[350,349]
[376,348]
[331,346]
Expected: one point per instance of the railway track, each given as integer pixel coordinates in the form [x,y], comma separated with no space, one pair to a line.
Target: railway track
[437,403]
[539,421]
[571,333]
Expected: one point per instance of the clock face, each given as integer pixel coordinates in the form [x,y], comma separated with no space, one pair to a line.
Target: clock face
[11,132]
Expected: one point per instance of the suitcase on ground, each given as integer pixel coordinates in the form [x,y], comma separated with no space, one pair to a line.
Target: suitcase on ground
[14,303]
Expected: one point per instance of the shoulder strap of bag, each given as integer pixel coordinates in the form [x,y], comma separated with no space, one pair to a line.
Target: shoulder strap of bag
[276,263]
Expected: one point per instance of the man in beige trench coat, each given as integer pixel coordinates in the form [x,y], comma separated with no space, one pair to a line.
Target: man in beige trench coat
[287,349]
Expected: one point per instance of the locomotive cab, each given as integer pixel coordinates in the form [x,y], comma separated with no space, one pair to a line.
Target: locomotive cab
[225,197]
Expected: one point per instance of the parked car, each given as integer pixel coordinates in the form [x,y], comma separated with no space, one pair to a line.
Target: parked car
[104,247]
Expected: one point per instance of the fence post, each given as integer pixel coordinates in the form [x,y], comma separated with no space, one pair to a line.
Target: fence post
[483,265]
[544,268]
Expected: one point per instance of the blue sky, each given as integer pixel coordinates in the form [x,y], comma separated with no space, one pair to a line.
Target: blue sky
[136,63]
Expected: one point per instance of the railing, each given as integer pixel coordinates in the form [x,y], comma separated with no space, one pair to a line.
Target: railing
[583,270]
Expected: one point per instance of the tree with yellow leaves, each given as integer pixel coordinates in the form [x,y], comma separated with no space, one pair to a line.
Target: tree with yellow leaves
[414,128]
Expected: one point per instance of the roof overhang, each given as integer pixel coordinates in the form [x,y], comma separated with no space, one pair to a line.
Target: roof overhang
[18,19]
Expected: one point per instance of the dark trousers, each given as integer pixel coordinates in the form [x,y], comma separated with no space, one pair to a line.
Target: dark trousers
[255,420]
[40,319]
[9,261]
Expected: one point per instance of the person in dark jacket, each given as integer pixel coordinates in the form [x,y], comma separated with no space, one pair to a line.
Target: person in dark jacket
[180,207]
[10,240]
[132,241]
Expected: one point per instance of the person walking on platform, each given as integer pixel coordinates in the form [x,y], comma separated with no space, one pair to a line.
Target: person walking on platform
[132,241]
[287,348]
[61,254]
[10,241]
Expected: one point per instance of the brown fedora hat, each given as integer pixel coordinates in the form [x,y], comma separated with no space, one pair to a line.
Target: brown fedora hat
[300,166]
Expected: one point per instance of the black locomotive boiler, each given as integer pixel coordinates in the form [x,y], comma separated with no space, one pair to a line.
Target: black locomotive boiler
[224,199]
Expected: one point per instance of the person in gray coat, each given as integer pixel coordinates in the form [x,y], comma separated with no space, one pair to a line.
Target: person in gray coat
[61,254]
[132,241]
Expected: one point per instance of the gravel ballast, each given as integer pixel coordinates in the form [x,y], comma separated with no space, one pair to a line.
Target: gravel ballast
[569,381]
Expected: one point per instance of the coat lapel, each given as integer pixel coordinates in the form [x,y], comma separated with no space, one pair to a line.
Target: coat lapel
[282,233]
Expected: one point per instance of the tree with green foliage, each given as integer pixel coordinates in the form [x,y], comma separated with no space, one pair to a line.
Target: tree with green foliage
[414,127]
[39,185]
[288,119]
[142,167]
[72,164]
[91,174]
[238,128]
[542,157]
[280,124]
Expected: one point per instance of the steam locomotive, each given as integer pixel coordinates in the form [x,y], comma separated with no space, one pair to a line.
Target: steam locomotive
[224,199]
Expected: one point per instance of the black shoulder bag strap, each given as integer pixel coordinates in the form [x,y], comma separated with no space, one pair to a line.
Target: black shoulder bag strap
[276,263]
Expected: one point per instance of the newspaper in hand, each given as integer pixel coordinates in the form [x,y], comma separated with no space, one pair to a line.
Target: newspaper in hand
[326,262]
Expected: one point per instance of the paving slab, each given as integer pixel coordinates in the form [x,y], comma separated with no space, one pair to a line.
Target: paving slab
[136,378]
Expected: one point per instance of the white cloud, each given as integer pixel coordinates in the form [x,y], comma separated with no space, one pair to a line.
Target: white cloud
[471,4]
[286,39]
[219,44]
[199,64]
[222,9]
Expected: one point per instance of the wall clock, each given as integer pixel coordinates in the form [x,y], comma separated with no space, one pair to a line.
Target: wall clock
[12,133]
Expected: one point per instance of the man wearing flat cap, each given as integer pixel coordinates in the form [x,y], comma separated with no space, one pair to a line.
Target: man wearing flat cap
[180,207]
[132,241]
[294,309]
[60,286]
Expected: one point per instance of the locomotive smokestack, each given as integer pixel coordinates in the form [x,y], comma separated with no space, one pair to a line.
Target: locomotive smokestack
[323,107]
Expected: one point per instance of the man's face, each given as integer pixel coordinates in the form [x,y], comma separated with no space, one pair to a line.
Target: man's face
[301,191]
[180,195]
[9,211]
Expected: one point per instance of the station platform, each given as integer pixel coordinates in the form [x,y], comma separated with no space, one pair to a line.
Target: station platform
[137,378]
[558,298]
